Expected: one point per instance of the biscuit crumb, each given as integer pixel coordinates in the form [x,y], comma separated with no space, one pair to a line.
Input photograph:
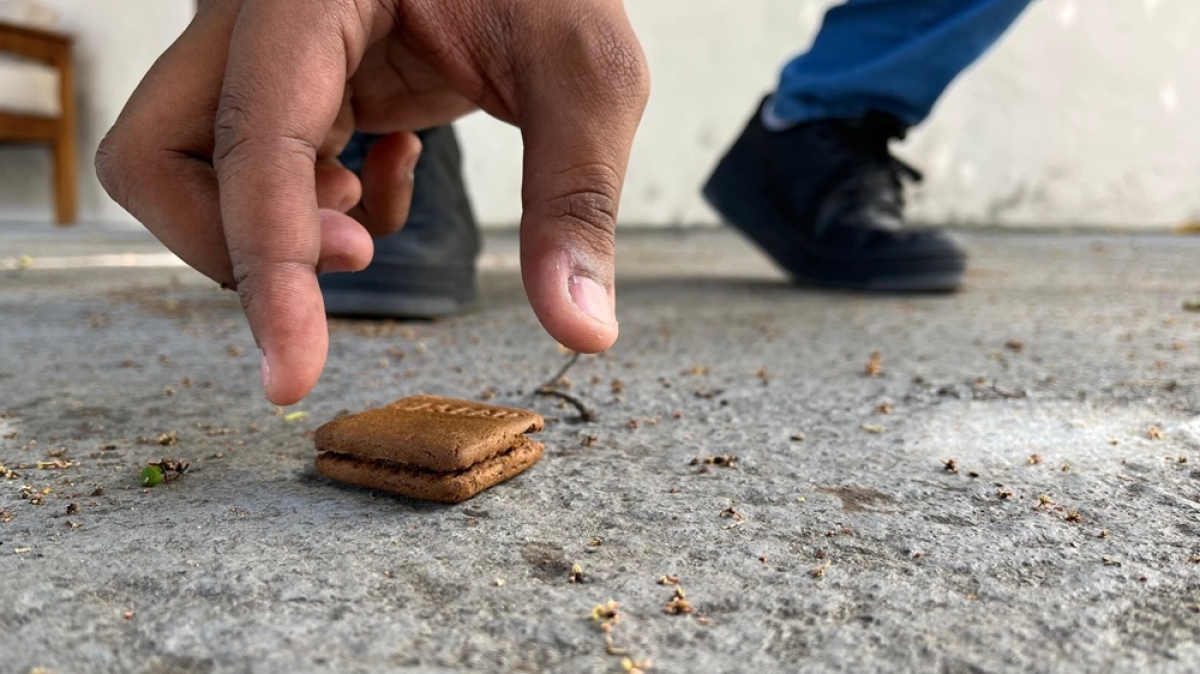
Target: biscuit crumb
[727,461]
[731,513]
[678,604]
[819,571]
[576,575]
[607,613]
[874,366]
[57,464]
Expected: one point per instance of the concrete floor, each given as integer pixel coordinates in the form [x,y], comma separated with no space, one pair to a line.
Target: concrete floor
[1063,382]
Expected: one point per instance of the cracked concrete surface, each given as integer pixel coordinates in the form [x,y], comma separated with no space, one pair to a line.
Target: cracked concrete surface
[1064,382]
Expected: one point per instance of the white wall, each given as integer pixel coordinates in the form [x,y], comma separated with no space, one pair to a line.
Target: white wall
[1086,113]
[1080,116]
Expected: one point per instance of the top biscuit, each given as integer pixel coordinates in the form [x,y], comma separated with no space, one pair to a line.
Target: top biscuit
[429,432]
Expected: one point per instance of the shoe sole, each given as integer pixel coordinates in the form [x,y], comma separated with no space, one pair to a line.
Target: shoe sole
[726,192]
[366,304]
[401,290]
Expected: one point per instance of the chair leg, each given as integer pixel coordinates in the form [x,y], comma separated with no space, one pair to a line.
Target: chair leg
[66,199]
[66,176]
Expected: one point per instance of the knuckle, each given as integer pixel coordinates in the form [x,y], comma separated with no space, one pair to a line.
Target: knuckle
[247,280]
[242,138]
[115,161]
[107,166]
[588,201]
[609,52]
[262,284]
[231,124]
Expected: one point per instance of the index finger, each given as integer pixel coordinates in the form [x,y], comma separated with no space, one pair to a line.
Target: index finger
[288,65]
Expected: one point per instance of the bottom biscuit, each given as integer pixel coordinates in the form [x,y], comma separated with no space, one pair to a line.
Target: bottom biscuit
[418,483]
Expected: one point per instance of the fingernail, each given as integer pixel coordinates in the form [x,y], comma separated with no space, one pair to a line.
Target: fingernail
[592,298]
[266,372]
[409,166]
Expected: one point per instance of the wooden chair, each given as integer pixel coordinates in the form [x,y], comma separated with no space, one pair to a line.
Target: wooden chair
[52,49]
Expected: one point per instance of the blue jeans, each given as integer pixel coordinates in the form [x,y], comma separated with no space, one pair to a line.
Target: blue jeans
[894,56]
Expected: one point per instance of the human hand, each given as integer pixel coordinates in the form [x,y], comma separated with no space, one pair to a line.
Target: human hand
[227,150]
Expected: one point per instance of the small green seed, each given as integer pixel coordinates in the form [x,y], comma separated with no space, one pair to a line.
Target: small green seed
[152,476]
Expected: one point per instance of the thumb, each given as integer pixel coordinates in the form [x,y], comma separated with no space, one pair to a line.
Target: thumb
[578,124]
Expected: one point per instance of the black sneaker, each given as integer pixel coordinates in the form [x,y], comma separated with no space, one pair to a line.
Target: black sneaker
[825,200]
[427,269]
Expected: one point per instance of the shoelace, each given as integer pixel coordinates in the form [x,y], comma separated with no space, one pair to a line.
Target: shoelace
[876,185]
[884,177]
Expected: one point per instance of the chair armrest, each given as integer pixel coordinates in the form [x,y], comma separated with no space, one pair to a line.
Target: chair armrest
[33,43]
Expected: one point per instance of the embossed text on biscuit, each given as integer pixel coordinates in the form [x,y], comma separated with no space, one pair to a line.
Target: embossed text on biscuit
[458,410]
